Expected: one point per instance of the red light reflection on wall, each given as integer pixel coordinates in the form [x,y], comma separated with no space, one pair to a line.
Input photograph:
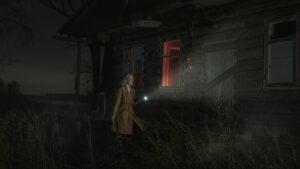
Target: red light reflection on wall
[171,64]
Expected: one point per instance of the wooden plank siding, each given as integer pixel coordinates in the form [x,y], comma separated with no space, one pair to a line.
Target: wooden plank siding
[264,107]
[240,30]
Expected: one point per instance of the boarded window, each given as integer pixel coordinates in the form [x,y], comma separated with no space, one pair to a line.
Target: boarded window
[171,64]
[281,61]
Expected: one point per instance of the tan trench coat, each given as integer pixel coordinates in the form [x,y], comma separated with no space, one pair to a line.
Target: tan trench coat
[124,112]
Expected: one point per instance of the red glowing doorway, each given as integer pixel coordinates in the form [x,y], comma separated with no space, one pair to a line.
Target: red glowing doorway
[171,64]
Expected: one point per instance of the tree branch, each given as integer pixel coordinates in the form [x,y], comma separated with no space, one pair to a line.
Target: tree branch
[16,22]
[63,7]
[11,20]
[13,8]
[52,5]
[71,6]
[82,2]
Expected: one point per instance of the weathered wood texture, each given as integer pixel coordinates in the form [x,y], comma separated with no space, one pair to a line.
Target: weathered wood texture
[231,39]
[255,104]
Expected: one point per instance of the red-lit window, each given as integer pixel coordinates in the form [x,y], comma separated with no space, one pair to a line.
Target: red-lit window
[171,64]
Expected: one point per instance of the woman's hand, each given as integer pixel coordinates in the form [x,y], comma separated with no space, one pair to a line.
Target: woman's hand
[137,102]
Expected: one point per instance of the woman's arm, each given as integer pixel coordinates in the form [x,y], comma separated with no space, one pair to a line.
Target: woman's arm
[117,103]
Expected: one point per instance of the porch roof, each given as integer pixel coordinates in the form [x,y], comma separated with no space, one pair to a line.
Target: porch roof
[102,15]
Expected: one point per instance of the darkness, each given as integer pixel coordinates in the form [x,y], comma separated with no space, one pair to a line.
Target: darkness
[152,84]
[41,65]
[284,29]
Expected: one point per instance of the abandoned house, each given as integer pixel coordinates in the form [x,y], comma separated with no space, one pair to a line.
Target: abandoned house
[240,56]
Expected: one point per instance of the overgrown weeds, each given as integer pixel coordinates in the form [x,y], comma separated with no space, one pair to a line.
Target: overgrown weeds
[26,143]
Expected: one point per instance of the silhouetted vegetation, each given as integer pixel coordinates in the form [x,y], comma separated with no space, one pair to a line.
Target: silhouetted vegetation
[11,88]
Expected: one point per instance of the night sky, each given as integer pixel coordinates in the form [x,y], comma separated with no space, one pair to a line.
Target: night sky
[43,65]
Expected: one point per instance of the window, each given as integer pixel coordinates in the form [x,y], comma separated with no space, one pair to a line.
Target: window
[171,64]
[133,59]
[282,60]
[127,59]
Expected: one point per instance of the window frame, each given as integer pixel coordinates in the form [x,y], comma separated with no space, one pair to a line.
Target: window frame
[180,66]
[267,22]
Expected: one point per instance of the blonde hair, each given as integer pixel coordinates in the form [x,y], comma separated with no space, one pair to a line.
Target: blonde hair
[126,79]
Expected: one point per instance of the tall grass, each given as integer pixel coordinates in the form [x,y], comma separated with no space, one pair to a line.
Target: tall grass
[23,144]
[174,145]
[26,143]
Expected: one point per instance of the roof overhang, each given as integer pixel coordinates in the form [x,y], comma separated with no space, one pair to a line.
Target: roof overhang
[114,16]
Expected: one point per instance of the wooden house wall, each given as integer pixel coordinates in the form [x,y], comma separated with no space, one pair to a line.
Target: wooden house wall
[254,102]
[227,59]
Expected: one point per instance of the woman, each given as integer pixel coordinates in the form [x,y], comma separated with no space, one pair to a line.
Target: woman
[123,116]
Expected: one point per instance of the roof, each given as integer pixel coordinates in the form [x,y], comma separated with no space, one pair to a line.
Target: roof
[102,15]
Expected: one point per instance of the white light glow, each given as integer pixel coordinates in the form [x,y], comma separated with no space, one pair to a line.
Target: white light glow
[145,98]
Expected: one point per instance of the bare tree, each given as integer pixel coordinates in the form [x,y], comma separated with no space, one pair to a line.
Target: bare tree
[66,8]
[11,11]
[13,28]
